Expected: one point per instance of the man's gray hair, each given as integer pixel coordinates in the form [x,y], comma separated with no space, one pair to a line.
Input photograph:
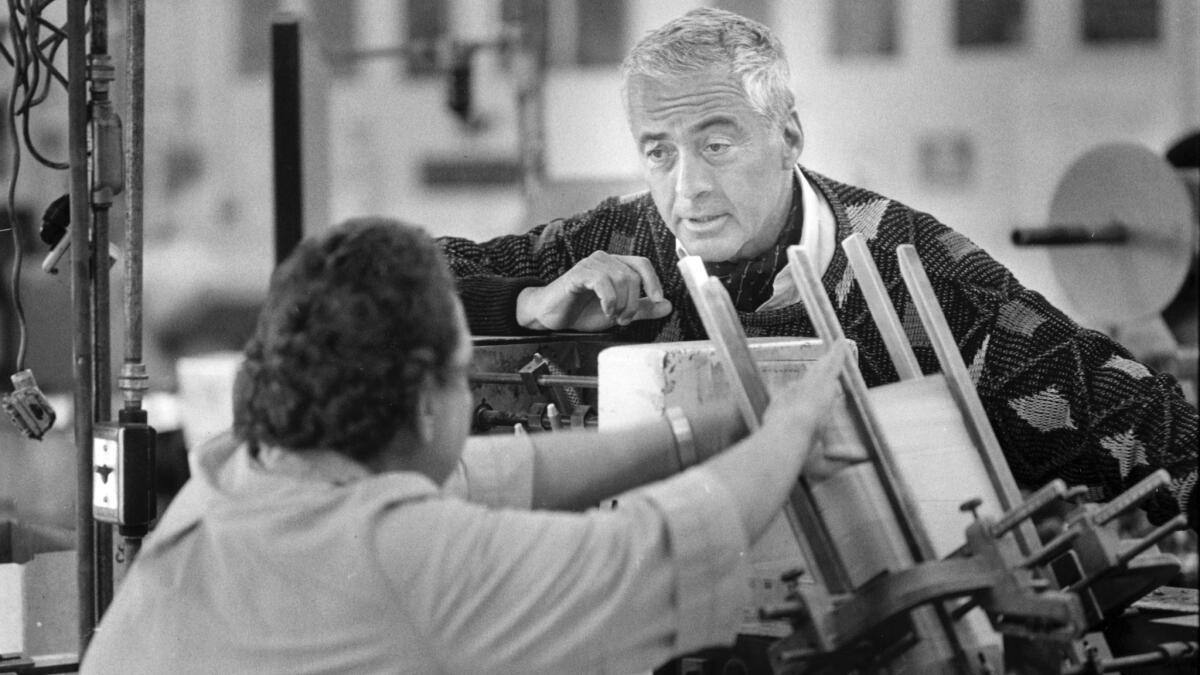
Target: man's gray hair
[706,37]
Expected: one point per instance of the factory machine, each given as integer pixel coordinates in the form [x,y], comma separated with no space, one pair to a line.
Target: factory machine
[876,564]
[912,550]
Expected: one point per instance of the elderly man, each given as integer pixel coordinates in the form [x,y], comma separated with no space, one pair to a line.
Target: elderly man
[712,116]
[318,541]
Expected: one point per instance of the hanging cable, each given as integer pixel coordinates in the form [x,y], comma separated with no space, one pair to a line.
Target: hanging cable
[34,75]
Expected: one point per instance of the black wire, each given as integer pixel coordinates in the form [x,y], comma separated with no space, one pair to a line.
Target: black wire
[47,60]
[14,31]
[33,59]
[33,98]
[30,87]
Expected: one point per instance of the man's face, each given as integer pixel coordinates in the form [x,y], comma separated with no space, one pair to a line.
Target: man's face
[720,173]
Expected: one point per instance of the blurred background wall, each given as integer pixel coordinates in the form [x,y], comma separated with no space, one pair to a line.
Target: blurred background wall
[968,109]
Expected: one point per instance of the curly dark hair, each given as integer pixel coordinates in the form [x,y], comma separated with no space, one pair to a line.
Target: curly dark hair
[354,319]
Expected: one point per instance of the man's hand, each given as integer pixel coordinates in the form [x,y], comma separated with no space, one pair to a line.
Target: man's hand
[599,292]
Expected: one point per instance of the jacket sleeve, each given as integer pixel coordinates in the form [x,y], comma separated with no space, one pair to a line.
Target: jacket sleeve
[491,274]
[1065,401]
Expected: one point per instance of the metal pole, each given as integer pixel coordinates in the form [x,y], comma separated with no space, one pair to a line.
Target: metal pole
[133,381]
[135,71]
[82,304]
[101,195]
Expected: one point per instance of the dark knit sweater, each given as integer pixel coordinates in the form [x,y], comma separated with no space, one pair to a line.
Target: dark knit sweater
[1066,402]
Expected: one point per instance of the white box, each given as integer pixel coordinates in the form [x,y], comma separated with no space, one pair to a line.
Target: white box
[39,607]
[639,382]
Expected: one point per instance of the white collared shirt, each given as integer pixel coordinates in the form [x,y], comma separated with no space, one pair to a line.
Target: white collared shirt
[308,563]
[818,238]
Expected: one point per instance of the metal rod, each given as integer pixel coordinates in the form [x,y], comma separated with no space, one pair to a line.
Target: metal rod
[133,381]
[1168,652]
[102,396]
[99,26]
[1179,522]
[135,73]
[82,304]
[101,195]
[583,381]
[1130,498]
[1071,235]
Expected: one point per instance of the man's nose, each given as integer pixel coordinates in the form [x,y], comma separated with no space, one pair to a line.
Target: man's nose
[694,177]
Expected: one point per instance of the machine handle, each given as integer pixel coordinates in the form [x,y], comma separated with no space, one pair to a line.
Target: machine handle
[1071,235]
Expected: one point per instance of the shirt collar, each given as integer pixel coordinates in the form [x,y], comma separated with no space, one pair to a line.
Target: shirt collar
[818,238]
[327,466]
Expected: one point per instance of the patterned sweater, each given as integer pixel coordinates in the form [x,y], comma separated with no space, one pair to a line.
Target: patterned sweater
[1065,402]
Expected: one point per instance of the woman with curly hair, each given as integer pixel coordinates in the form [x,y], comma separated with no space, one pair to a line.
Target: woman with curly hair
[343,528]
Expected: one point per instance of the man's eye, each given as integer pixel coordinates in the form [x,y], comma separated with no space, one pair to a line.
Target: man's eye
[717,148]
[657,154]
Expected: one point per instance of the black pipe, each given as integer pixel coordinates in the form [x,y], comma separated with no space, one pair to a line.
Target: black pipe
[81,302]
[1071,235]
[585,381]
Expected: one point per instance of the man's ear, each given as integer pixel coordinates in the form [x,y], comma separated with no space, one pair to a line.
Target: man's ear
[426,415]
[793,140]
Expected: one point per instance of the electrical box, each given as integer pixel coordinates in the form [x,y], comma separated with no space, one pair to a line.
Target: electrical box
[123,473]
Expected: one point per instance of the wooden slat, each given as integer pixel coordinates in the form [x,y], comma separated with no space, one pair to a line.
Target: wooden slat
[882,311]
[725,332]
[933,625]
[963,389]
[720,320]
[828,328]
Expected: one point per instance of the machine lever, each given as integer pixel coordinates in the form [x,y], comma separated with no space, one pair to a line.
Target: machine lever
[1132,497]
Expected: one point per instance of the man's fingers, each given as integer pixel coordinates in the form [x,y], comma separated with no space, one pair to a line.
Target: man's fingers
[650,309]
[602,286]
[650,282]
[599,292]
[628,311]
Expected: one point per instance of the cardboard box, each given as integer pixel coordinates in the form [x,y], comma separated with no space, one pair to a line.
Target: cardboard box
[39,607]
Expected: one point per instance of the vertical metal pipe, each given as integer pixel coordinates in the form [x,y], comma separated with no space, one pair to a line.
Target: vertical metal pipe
[82,304]
[100,27]
[133,380]
[103,389]
[135,73]
[99,76]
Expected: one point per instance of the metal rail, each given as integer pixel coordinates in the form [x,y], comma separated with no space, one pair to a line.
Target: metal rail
[133,381]
[82,305]
[100,198]
[584,381]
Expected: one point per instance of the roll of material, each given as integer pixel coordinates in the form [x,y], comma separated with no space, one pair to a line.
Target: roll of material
[1125,190]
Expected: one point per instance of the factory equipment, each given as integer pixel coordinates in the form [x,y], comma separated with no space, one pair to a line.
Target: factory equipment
[1122,233]
[1123,238]
[880,563]
[104,161]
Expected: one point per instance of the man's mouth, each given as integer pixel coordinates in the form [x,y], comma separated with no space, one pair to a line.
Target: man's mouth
[702,223]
